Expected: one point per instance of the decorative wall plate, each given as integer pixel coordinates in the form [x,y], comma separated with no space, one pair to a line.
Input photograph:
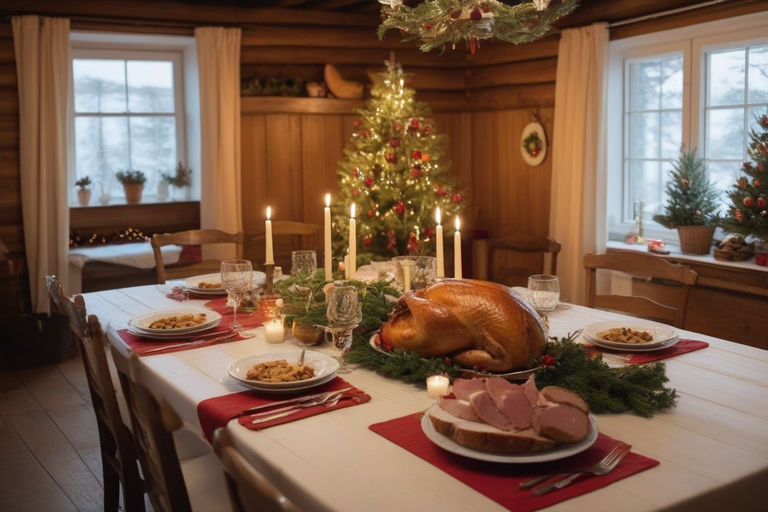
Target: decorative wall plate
[533,144]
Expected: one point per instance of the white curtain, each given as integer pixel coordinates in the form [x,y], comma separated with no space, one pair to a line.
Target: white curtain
[218,57]
[577,210]
[44,71]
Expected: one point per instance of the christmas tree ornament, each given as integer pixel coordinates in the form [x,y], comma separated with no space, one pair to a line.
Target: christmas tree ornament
[415,172]
[414,124]
[391,158]
[356,123]
[394,143]
[400,208]
[760,202]
[367,241]
[756,182]
[426,157]
[439,191]
[416,155]
[742,182]
[426,130]
[748,201]
[368,181]
[457,197]
[355,172]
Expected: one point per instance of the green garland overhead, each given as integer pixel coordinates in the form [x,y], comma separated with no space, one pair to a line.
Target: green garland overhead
[438,23]
[637,388]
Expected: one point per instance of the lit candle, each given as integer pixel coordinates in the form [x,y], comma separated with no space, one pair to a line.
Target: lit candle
[327,236]
[457,250]
[273,330]
[439,244]
[406,266]
[437,386]
[270,257]
[352,243]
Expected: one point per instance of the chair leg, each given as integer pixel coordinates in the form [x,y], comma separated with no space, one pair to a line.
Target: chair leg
[111,486]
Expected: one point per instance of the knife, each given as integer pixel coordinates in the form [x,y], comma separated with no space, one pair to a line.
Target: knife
[290,401]
[211,341]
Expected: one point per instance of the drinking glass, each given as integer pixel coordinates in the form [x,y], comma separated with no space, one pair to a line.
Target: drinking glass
[423,270]
[303,262]
[344,314]
[237,279]
[544,292]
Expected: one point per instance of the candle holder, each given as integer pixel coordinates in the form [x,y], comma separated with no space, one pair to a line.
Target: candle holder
[271,310]
[269,270]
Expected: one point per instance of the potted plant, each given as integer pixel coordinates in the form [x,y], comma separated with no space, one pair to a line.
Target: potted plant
[133,184]
[692,203]
[83,192]
[162,186]
[181,181]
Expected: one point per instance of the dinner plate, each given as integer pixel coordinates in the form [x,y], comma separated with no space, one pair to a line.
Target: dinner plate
[193,283]
[325,369]
[559,452]
[636,347]
[662,334]
[140,324]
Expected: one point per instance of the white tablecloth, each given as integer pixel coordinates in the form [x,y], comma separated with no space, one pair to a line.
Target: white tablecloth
[713,447]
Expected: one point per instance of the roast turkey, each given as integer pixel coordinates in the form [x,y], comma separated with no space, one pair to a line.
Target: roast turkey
[478,323]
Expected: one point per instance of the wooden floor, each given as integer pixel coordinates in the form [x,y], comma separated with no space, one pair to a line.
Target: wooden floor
[49,444]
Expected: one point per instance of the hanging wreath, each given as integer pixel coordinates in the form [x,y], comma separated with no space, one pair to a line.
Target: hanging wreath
[533,144]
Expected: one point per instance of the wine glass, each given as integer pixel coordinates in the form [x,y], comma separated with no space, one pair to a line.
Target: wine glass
[237,279]
[344,314]
[544,292]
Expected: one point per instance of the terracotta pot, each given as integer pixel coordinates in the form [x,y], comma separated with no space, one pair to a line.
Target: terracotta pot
[84,196]
[696,239]
[133,193]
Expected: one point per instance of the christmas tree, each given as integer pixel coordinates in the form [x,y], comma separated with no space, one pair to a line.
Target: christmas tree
[691,199]
[748,214]
[395,172]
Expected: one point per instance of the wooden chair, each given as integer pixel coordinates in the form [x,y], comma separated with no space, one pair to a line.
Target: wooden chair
[248,489]
[118,456]
[283,230]
[192,237]
[512,259]
[645,267]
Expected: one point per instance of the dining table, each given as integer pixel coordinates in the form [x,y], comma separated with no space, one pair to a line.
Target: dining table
[711,447]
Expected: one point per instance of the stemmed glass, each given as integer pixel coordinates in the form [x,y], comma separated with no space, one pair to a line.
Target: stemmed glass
[344,314]
[237,279]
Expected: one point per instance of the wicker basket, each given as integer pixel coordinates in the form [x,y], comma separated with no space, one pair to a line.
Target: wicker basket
[696,239]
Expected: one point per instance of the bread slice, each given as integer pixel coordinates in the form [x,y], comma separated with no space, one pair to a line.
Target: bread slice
[486,438]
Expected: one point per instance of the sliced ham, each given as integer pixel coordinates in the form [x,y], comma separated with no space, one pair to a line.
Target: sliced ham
[463,388]
[459,408]
[561,422]
[515,406]
[559,395]
[531,391]
[487,411]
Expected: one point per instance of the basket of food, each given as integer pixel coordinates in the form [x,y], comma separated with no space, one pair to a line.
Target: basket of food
[734,248]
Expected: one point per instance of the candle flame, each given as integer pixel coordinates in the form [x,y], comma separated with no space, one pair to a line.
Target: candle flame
[327,199]
[438,218]
[352,211]
[269,212]
[458,223]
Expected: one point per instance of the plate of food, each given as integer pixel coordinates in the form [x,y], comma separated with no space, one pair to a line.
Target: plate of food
[280,370]
[631,335]
[210,284]
[471,422]
[173,322]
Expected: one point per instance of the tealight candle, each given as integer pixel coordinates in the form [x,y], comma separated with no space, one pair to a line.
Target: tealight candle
[437,386]
[273,330]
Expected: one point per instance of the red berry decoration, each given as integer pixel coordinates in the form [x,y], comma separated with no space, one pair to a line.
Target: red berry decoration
[428,232]
[439,191]
[415,172]
[547,361]
[390,157]
[756,182]
[368,181]
[355,172]
[371,213]
[367,241]
[394,143]
[748,201]
[457,197]
[365,133]
[742,182]
[475,15]
[416,155]
[356,123]
[427,25]
[415,124]
[400,208]
[760,202]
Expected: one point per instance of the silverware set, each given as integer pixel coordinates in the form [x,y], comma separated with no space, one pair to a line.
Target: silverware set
[601,467]
[329,400]
[210,339]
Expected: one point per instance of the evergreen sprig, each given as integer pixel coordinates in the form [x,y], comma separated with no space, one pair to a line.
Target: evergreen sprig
[692,200]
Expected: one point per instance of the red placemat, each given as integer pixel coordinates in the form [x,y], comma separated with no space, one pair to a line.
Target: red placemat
[216,412]
[146,346]
[681,347]
[501,482]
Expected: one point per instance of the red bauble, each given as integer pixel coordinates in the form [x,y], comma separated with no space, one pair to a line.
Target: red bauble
[475,15]
[400,208]
[368,181]
[367,241]
[742,182]
[760,167]
[365,133]
[737,213]
[356,123]
[371,213]
[391,158]
[415,124]
[760,203]
[428,232]
[427,25]
[394,143]
[355,172]
[457,197]
[415,172]
[756,182]
[439,191]
[455,14]
[426,130]
[412,236]
[391,233]
[416,155]
[748,201]
[355,192]
[390,245]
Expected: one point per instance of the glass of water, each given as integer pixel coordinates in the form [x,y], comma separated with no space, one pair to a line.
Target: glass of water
[544,292]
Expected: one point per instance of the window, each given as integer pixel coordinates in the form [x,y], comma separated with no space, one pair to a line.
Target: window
[688,88]
[129,113]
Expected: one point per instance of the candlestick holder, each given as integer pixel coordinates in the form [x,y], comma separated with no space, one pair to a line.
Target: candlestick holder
[269,270]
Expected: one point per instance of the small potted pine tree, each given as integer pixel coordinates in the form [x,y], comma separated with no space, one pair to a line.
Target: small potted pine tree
[83,190]
[133,184]
[692,204]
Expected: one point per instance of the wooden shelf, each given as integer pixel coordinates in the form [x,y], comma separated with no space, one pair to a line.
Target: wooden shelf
[292,105]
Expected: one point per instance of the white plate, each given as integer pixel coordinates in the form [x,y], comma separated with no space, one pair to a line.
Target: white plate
[559,452]
[259,278]
[635,347]
[325,369]
[662,334]
[140,324]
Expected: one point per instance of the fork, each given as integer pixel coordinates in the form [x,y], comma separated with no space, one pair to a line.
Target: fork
[328,401]
[199,341]
[601,467]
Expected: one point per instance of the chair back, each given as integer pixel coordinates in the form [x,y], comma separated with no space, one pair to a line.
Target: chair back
[292,235]
[675,279]
[249,490]
[118,456]
[192,237]
[153,423]
[512,259]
